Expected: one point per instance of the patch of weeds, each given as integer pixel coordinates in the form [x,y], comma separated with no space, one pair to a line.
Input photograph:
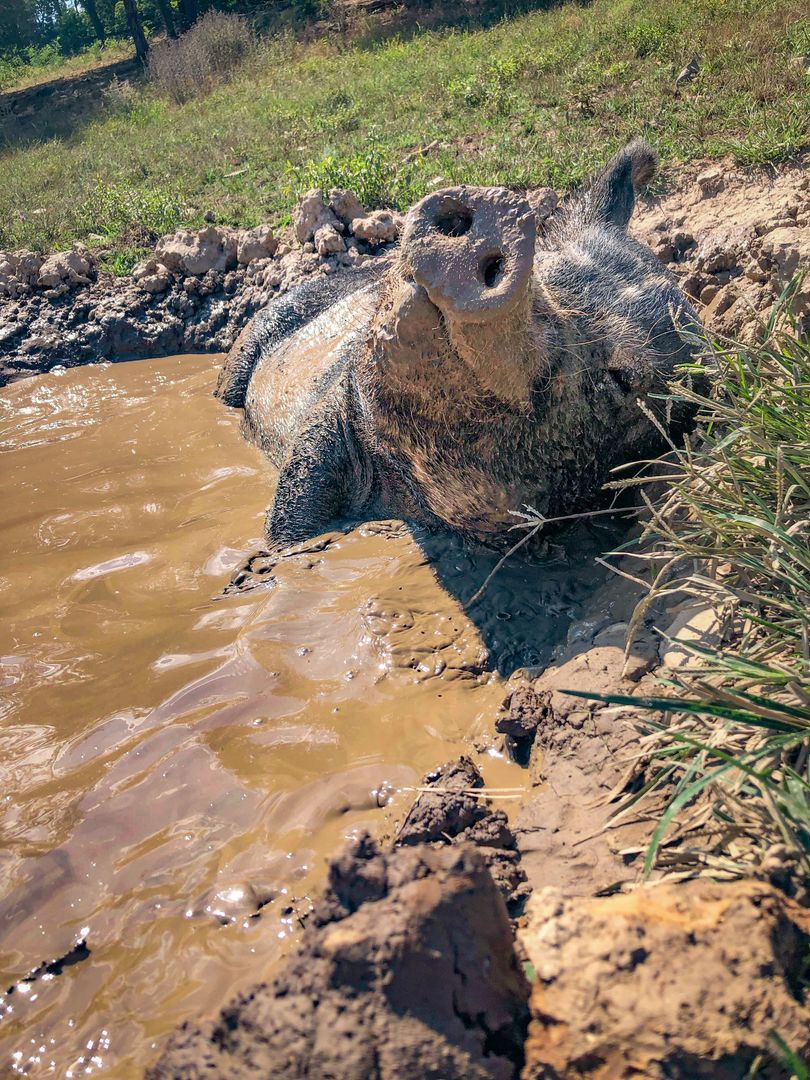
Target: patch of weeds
[336,113]
[775,141]
[660,36]
[208,54]
[121,96]
[123,261]
[493,87]
[797,38]
[117,210]
[371,174]
[731,532]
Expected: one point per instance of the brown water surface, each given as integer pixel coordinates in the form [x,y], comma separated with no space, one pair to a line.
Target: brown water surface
[172,761]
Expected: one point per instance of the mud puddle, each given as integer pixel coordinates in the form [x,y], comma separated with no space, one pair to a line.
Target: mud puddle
[174,766]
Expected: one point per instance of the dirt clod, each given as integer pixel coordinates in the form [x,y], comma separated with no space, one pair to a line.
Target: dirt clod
[678,981]
[418,981]
[525,709]
[447,812]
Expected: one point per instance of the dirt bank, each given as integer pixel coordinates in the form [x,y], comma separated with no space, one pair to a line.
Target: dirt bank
[195,293]
[734,240]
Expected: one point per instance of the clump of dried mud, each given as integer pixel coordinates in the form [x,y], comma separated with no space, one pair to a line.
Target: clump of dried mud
[671,981]
[405,970]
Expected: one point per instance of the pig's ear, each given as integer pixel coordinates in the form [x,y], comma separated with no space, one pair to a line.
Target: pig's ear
[612,194]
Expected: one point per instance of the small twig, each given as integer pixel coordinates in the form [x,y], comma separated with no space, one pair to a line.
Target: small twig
[523,540]
[535,522]
[475,793]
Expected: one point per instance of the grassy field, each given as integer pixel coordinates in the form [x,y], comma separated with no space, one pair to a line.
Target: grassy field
[537,98]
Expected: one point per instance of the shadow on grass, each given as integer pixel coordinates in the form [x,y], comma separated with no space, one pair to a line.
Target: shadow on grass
[63,106]
[60,107]
[367,23]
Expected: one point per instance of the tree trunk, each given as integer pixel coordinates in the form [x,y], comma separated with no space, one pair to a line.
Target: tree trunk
[189,12]
[167,18]
[92,14]
[136,30]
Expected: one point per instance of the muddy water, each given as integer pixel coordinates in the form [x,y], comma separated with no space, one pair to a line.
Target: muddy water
[174,765]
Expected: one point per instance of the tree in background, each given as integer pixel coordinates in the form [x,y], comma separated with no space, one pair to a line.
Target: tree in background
[189,13]
[71,25]
[92,14]
[136,30]
[167,17]
[17,25]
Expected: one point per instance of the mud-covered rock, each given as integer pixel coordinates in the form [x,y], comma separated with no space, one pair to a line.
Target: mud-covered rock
[378,227]
[255,244]
[444,812]
[66,267]
[523,710]
[681,981]
[491,831]
[345,205]
[197,251]
[722,250]
[710,181]
[152,276]
[19,270]
[328,240]
[410,975]
[310,215]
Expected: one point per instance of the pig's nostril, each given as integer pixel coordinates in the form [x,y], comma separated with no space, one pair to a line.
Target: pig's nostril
[453,219]
[491,268]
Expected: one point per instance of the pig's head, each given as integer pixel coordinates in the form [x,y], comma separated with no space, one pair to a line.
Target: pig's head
[531,319]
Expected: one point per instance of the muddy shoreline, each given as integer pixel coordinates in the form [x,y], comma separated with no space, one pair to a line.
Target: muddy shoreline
[65,311]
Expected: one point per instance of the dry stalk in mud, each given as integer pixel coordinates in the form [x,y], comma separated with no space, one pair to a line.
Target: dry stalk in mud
[533,522]
[474,793]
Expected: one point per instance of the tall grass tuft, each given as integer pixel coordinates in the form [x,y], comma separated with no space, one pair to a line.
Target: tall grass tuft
[208,54]
[731,533]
